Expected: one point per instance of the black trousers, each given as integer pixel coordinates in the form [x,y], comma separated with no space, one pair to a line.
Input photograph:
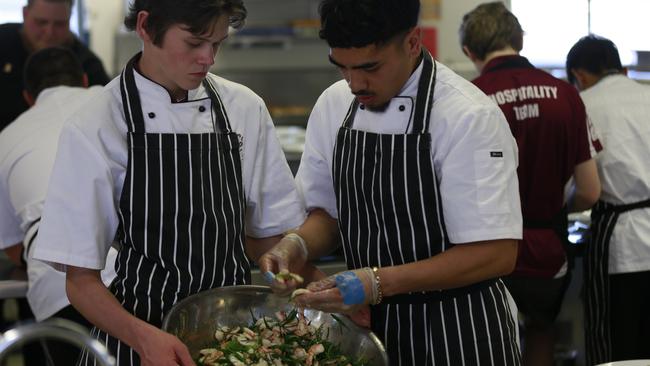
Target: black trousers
[630,316]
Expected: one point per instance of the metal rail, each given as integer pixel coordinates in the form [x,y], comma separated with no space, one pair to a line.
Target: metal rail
[58,329]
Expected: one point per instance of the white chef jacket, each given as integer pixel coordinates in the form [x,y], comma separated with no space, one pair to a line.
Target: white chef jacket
[619,109]
[480,195]
[80,217]
[27,150]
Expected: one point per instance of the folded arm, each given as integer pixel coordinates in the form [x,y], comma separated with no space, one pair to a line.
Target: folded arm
[459,266]
[462,265]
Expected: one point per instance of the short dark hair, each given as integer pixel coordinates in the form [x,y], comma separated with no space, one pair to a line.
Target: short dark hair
[360,23]
[595,54]
[490,27]
[70,2]
[197,15]
[52,67]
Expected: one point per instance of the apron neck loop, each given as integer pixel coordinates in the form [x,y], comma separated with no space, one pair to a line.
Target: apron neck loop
[131,98]
[352,111]
[133,108]
[424,100]
[220,117]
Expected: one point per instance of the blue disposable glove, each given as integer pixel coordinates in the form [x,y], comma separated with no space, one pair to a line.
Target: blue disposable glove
[345,292]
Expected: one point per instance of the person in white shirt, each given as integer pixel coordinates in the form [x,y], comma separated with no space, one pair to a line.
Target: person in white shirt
[414,169]
[56,87]
[617,262]
[181,166]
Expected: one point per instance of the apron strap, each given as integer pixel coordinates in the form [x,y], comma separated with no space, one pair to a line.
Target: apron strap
[558,221]
[352,111]
[426,88]
[30,235]
[220,117]
[608,207]
[560,225]
[131,98]
[133,108]
[434,296]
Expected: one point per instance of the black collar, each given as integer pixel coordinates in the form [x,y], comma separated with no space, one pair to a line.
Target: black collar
[507,62]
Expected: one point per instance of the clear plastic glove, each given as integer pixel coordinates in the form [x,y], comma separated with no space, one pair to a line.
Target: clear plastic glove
[345,292]
[276,264]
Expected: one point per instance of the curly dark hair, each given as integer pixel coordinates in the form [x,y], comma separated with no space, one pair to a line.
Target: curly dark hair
[360,23]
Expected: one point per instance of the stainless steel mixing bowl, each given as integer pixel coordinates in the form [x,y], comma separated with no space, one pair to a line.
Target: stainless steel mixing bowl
[195,319]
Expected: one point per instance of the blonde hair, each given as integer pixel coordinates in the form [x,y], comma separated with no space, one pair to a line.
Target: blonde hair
[490,27]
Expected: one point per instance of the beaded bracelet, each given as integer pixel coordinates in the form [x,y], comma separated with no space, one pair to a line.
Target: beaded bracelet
[380,293]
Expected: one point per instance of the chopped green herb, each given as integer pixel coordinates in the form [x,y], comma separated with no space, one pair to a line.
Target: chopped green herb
[289,340]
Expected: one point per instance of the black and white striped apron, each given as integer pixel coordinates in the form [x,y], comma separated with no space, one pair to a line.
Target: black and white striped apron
[181,216]
[390,213]
[598,342]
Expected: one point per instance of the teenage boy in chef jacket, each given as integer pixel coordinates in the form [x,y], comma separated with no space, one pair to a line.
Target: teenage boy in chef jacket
[413,168]
[549,122]
[181,166]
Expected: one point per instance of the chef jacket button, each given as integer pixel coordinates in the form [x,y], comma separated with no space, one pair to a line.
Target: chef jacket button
[362,106]
[402,108]
[201,109]
[152,115]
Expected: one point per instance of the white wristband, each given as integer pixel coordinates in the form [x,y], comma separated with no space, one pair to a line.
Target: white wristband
[298,239]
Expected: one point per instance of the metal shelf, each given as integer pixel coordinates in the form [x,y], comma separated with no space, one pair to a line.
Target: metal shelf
[261,53]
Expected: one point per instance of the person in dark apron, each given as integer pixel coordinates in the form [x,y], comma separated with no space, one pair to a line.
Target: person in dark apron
[181,167]
[174,272]
[616,288]
[380,174]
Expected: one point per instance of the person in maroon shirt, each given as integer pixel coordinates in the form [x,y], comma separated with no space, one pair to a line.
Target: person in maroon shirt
[549,122]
